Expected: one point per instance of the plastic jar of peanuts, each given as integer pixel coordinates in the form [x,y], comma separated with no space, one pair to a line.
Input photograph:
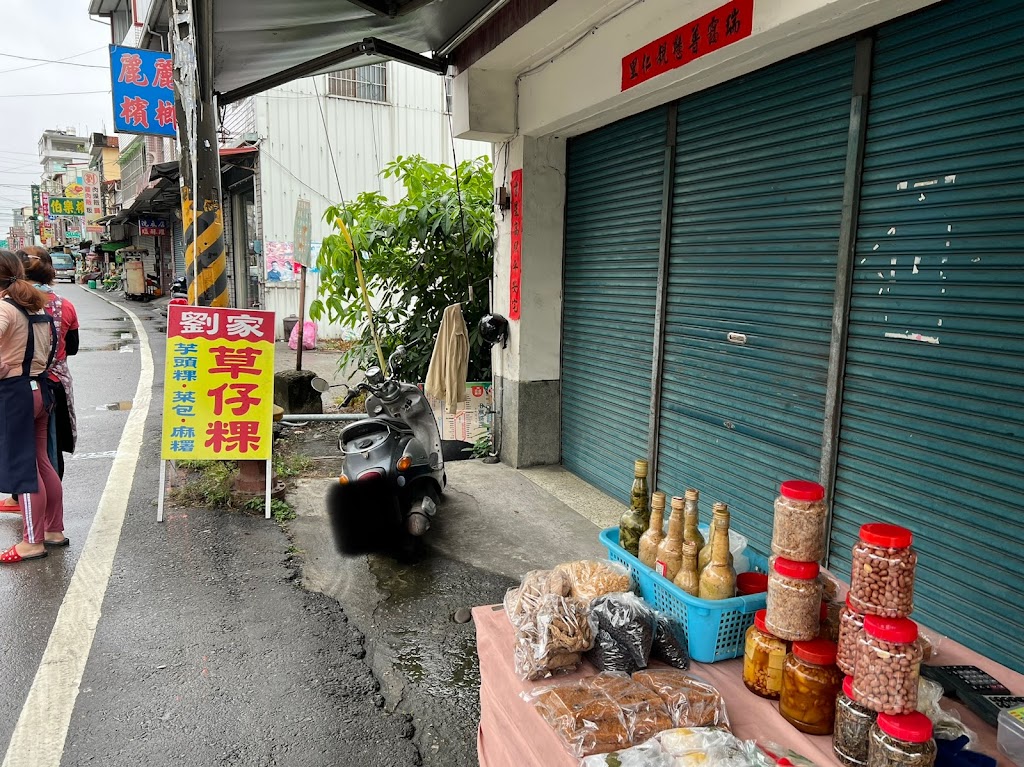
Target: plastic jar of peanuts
[901,741]
[794,600]
[851,629]
[801,521]
[888,665]
[810,684]
[853,726]
[882,576]
[764,656]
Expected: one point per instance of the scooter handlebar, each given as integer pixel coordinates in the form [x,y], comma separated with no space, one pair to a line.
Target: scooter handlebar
[353,393]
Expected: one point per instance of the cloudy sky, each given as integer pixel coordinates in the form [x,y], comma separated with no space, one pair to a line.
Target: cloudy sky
[48,30]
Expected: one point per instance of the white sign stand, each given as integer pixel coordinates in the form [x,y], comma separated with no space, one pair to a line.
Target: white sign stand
[163,485]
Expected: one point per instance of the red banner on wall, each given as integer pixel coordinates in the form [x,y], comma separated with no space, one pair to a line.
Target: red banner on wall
[516,274]
[714,30]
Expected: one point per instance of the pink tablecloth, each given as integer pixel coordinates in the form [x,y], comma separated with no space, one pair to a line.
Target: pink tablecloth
[512,734]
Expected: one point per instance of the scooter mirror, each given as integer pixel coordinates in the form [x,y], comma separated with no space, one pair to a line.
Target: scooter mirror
[320,384]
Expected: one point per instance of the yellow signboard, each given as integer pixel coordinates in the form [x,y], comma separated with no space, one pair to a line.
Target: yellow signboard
[218,384]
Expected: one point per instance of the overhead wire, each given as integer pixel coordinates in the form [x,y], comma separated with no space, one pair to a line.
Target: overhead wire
[348,236]
[65,60]
[46,95]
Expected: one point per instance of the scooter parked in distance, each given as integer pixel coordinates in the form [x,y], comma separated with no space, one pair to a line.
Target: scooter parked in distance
[393,476]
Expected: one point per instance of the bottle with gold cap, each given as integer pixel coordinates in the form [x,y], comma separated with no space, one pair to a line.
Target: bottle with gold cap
[691,519]
[655,533]
[718,579]
[704,557]
[635,520]
[670,552]
[687,578]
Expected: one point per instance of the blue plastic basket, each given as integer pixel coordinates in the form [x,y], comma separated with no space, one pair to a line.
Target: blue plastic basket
[713,629]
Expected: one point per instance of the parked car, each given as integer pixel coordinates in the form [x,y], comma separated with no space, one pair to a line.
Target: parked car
[63,266]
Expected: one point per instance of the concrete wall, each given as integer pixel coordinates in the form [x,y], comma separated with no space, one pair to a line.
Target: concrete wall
[563,68]
[528,370]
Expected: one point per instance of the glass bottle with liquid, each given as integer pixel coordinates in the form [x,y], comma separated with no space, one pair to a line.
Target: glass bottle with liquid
[670,552]
[635,521]
[655,533]
[687,578]
[718,579]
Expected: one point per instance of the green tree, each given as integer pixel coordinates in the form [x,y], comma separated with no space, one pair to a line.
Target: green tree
[415,260]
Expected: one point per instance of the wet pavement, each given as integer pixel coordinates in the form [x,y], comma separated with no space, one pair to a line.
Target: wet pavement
[494,525]
[31,593]
[207,652]
[225,639]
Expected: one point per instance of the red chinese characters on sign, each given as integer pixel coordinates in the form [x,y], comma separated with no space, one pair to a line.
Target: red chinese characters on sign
[515,281]
[240,325]
[131,70]
[135,111]
[717,29]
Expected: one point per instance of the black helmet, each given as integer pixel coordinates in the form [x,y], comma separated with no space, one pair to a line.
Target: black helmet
[494,329]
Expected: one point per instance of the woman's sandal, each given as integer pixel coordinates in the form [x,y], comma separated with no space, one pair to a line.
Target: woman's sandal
[12,557]
[10,506]
[58,544]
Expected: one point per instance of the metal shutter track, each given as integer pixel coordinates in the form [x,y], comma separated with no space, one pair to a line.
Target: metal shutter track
[613,212]
[931,434]
[758,198]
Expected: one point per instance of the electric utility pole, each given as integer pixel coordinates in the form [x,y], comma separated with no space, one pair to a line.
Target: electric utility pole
[191,26]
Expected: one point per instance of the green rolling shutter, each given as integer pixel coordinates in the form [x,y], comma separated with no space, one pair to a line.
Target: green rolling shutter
[755,232]
[612,221]
[933,411]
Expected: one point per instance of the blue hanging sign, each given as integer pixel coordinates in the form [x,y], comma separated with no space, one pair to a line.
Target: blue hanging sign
[143,85]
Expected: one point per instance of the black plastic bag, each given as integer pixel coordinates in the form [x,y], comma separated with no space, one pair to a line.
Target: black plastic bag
[628,623]
[667,648]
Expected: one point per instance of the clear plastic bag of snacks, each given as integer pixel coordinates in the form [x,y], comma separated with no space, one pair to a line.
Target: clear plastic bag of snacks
[552,638]
[592,578]
[599,714]
[690,701]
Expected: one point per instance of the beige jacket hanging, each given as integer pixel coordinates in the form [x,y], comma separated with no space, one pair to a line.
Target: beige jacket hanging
[449,365]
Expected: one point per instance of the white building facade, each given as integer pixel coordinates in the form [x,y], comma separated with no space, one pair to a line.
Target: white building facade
[325,139]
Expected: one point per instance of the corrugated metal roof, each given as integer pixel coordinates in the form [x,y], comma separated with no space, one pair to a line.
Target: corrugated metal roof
[260,44]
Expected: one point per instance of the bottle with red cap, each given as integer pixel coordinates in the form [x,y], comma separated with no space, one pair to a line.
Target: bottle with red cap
[810,684]
[888,665]
[793,600]
[764,656]
[901,740]
[882,575]
[853,728]
[801,521]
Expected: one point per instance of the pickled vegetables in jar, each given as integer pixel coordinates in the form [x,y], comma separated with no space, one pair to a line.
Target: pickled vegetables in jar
[763,658]
[810,685]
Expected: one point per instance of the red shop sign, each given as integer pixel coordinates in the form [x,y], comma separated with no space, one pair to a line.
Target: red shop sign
[714,30]
[516,273]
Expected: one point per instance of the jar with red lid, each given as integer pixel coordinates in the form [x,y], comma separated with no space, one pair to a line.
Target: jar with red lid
[810,684]
[901,740]
[764,655]
[882,576]
[851,629]
[793,600]
[801,521]
[888,665]
[852,729]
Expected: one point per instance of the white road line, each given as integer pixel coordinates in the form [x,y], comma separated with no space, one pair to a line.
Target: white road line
[42,729]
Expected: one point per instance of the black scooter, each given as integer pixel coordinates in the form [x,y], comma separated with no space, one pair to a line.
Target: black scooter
[393,475]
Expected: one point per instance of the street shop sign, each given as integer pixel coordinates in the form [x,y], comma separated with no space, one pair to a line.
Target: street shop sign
[721,27]
[302,249]
[143,88]
[218,384]
[66,206]
[156,227]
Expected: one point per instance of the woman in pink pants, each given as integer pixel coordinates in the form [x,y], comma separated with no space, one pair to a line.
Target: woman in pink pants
[27,345]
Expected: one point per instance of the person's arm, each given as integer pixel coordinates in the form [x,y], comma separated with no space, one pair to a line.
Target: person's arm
[69,318]
[71,343]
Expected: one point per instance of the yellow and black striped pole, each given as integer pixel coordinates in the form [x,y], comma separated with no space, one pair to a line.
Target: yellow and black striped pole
[201,213]
[205,262]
